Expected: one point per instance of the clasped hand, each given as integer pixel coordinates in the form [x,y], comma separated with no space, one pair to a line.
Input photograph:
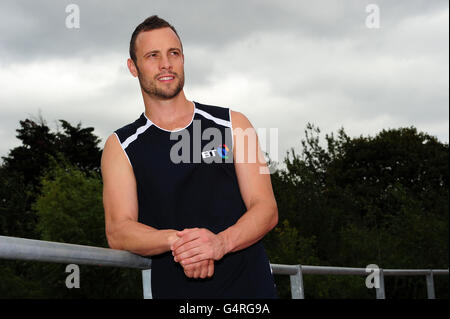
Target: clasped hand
[196,249]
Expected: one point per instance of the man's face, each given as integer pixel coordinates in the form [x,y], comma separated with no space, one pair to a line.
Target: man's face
[160,63]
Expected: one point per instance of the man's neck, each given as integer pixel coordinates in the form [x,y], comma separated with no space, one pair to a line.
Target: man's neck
[169,114]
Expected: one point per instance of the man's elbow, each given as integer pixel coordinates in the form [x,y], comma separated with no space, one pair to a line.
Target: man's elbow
[111,238]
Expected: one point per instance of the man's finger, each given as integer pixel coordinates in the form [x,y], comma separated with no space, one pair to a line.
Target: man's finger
[179,234]
[198,270]
[189,253]
[185,231]
[201,269]
[188,272]
[194,259]
[185,238]
[186,247]
[191,267]
[204,271]
[210,268]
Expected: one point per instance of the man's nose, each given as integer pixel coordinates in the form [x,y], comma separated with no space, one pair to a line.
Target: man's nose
[165,63]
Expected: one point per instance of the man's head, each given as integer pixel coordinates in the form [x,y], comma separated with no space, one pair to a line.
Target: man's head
[151,23]
[156,58]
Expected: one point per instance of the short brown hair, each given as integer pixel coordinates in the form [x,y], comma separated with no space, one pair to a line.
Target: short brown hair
[151,23]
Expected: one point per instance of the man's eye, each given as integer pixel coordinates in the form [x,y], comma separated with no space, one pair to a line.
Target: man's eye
[175,53]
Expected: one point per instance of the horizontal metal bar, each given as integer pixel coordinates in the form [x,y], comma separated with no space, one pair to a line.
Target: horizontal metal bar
[279,269]
[326,270]
[39,250]
[414,272]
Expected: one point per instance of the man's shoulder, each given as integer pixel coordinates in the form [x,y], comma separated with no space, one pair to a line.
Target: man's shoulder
[215,111]
[230,115]
[130,129]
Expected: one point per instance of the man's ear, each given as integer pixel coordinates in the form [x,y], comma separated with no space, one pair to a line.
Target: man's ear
[132,67]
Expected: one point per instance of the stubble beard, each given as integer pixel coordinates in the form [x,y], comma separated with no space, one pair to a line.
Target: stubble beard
[151,86]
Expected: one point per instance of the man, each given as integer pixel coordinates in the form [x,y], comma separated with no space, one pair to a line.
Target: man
[200,216]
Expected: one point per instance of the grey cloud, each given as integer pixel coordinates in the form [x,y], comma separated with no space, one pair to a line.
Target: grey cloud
[36,29]
[338,68]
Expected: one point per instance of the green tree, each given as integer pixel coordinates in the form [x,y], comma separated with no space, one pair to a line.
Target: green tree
[70,210]
[363,200]
[22,169]
[20,178]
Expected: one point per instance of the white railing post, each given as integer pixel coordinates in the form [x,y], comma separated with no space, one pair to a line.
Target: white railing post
[147,283]
[380,291]
[430,285]
[297,291]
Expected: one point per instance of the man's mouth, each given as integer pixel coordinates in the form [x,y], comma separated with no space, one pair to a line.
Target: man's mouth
[166,78]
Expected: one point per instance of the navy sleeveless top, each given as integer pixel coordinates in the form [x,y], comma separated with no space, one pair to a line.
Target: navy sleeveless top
[185,179]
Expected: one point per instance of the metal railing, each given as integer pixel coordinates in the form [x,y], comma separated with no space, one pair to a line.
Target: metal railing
[45,251]
[296,273]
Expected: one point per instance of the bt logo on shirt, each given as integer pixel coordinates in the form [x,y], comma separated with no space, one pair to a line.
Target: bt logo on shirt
[221,150]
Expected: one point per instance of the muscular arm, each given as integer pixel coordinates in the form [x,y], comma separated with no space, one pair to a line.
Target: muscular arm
[256,190]
[123,231]
[255,187]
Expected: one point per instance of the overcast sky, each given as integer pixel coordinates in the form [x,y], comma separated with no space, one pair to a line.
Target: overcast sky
[282,63]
